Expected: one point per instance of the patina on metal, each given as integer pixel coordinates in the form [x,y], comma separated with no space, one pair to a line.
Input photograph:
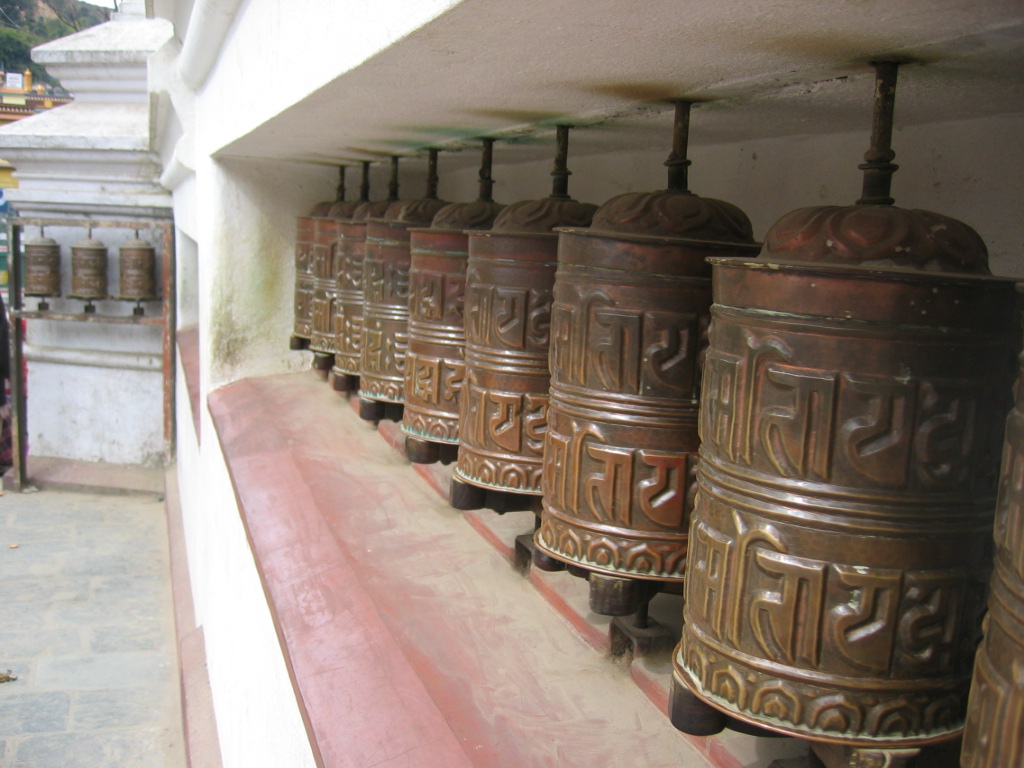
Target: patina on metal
[137,270]
[435,362]
[347,317]
[89,272]
[42,269]
[994,732]
[305,240]
[504,403]
[631,300]
[854,389]
[323,268]
[386,300]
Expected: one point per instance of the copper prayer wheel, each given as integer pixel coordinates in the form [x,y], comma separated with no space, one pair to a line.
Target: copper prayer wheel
[995,708]
[631,300]
[435,361]
[325,247]
[855,385]
[88,272]
[137,269]
[386,301]
[42,268]
[305,237]
[504,402]
[348,305]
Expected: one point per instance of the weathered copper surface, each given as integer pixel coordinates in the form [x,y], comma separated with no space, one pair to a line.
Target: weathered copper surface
[435,364]
[304,245]
[509,281]
[348,306]
[88,270]
[839,548]
[386,298]
[42,267]
[630,310]
[325,248]
[855,385]
[994,733]
[137,269]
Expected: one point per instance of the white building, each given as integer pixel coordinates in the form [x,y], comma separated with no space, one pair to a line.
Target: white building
[232,116]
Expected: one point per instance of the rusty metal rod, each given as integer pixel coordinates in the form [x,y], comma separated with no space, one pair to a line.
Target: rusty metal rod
[878,166]
[560,173]
[340,194]
[486,161]
[677,162]
[364,186]
[393,181]
[432,177]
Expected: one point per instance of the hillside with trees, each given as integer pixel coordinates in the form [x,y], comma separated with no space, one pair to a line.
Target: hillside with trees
[25,24]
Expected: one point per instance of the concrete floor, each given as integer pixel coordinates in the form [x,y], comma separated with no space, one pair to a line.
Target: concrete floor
[87,628]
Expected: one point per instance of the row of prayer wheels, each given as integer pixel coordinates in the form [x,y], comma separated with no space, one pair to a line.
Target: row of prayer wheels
[803,436]
[136,268]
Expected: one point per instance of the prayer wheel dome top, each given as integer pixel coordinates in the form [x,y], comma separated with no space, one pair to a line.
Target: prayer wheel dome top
[544,215]
[90,243]
[418,213]
[876,236]
[136,244]
[673,213]
[478,214]
[321,209]
[343,209]
[41,241]
[370,210]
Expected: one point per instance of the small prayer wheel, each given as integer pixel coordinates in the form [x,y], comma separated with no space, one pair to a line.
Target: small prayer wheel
[504,401]
[42,269]
[303,305]
[855,386]
[435,362]
[386,301]
[89,272]
[348,306]
[137,270]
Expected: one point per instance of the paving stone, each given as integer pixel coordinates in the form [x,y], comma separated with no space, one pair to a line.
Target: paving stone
[46,642]
[34,713]
[107,670]
[119,708]
[42,589]
[142,635]
[135,748]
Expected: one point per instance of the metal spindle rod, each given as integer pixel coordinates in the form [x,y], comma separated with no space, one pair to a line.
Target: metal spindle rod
[560,173]
[878,166]
[340,194]
[364,186]
[677,163]
[432,177]
[486,161]
[393,181]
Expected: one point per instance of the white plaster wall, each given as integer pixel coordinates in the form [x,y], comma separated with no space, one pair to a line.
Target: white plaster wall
[258,720]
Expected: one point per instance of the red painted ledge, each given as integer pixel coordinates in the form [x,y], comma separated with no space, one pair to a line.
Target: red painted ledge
[409,639]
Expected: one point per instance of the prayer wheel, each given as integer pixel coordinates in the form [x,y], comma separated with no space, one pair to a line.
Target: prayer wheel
[631,300]
[89,272]
[504,401]
[995,709]
[42,269]
[348,306]
[137,270]
[305,238]
[435,362]
[386,301]
[855,385]
[326,235]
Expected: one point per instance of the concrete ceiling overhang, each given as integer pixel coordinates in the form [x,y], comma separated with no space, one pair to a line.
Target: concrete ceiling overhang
[514,68]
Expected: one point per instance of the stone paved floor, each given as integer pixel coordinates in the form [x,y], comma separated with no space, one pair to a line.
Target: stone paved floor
[86,626]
